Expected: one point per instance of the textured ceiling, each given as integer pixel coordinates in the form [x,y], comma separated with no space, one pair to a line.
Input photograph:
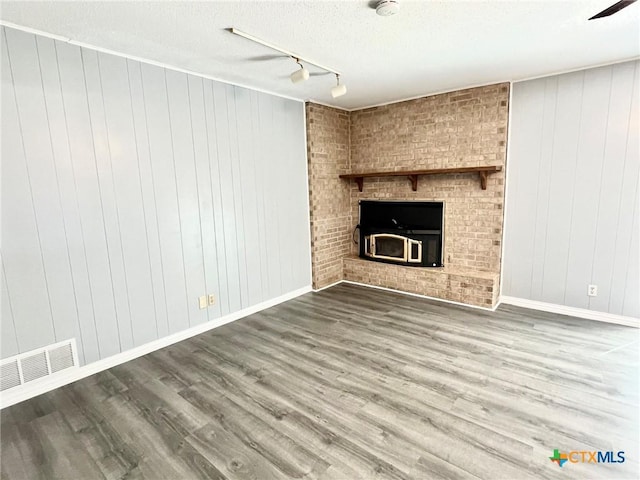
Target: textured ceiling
[428,47]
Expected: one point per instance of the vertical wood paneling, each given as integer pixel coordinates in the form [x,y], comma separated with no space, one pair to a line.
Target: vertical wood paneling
[133,191]
[236,182]
[9,338]
[21,248]
[543,181]
[227,206]
[610,181]
[249,202]
[149,209]
[65,189]
[203,181]
[278,238]
[216,198]
[562,182]
[294,190]
[164,180]
[260,153]
[302,265]
[587,175]
[522,190]
[574,159]
[625,248]
[284,189]
[631,301]
[187,188]
[89,259]
[271,238]
[123,154]
[34,120]
[300,233]
[118,336]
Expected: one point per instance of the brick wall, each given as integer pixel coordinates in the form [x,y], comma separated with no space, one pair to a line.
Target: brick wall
[457,129]
[329,202]
[450,283]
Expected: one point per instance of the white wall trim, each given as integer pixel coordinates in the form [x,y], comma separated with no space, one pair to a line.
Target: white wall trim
[572,311]
[308,188]
[478,85]
[577,69]
[505,205]
[425,95]
[328,286]
[418,295]
[35,388]
[70,41]
[318,102]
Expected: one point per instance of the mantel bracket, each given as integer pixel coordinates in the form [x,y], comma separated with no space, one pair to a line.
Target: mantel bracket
[483,179]
[414,182]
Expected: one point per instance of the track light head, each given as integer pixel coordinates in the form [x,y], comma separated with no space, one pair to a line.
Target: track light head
[339,89]
[299,75]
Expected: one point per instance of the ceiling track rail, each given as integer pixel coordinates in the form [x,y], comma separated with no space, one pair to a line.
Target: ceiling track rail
[248,36]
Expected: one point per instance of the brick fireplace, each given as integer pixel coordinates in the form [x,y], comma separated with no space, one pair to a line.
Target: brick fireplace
[466,128]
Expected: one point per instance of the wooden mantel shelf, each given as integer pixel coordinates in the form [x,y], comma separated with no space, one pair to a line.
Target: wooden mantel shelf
[413,175]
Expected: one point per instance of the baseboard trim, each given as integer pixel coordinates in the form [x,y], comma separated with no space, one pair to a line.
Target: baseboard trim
[419,295]
[572,311]
[328,286]
[9,397]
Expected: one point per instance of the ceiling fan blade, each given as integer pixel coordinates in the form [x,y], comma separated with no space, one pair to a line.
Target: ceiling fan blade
[263,58]
[616,7]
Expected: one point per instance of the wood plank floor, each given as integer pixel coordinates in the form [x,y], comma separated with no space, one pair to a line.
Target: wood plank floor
[347,383]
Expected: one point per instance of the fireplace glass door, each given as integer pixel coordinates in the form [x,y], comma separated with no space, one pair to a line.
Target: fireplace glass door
[393,247]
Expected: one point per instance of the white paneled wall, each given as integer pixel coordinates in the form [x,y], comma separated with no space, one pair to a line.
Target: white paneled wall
[129,190]
[572,190]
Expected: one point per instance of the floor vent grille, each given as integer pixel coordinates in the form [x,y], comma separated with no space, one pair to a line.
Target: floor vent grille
[37,364]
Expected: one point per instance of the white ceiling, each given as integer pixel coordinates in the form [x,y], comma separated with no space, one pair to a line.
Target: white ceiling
[429,47]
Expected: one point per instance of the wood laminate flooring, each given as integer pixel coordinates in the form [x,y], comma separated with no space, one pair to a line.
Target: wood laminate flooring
[347,383]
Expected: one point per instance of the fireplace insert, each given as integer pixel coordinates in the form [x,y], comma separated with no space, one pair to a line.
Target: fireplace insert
[406,233]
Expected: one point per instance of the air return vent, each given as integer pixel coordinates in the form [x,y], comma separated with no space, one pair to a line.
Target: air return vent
[37,364]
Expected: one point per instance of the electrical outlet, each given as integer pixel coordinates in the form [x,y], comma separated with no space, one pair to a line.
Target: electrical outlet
[202,301]
[212,299]
[592,290]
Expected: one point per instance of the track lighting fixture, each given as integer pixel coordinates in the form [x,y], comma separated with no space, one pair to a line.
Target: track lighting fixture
[302,74]
[339,89]
[299,75]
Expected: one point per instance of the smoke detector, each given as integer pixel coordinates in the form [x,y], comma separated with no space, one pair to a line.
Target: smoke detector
[386,8]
